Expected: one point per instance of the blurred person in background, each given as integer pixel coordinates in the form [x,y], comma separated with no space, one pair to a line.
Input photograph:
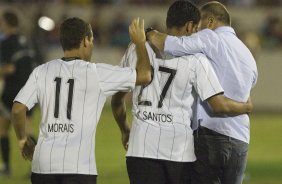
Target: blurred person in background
[39,39]
[118,31]
[96,28]
[253,42]
[71,92]
[160,146]
[272,32]
[237,72]
[16,65]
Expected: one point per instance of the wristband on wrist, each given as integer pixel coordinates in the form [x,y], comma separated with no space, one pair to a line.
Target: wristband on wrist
[149,29]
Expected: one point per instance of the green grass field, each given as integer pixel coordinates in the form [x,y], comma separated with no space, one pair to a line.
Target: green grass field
[264,163]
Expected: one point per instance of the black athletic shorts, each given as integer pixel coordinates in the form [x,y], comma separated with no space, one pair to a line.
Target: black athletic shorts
[63,179]
[154,171]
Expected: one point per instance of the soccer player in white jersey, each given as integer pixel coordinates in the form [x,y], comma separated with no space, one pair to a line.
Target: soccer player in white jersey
[71,92]
[160,148]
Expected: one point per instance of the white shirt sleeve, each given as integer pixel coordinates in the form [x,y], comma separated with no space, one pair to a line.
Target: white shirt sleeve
[205,41]
[206,82]
[129,58]
[28,94]
[115,78]
[255,78]
[128,64]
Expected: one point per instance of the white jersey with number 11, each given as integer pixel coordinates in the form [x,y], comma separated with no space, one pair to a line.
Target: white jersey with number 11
[71,96]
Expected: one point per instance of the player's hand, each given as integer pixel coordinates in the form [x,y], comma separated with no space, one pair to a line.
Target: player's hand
[136,31]
[27,146]
[125,138]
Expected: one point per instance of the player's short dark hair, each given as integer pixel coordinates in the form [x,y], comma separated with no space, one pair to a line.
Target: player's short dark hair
[217,10]
[10,18]
[72,32]
[181,12]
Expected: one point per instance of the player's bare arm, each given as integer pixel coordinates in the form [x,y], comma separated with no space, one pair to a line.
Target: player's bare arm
[137,36]
[157,39]
[18,118]
[223,105]
[119,111]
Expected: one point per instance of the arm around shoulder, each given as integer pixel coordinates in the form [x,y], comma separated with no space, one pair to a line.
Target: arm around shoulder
[157,39]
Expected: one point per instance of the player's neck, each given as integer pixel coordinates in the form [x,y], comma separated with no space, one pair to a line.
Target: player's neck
[72,54]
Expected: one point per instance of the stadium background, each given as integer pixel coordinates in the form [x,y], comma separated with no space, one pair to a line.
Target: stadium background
[257,22]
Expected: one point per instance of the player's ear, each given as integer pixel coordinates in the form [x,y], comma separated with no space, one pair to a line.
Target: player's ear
[87,41]
[195,28]
[211,22]
[189,27]
[84,42]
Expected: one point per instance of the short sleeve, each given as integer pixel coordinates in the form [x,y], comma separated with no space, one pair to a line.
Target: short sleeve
[28,94]
[255,78]
[206,82]
[129,58]
[115,78]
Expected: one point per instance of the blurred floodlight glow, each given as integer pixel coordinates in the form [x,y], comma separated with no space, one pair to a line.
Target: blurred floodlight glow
[46,23]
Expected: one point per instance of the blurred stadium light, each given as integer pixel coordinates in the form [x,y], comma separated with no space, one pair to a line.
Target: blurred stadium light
[46,23]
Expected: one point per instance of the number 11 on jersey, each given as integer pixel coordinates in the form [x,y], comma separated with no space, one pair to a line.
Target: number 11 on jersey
[58,81]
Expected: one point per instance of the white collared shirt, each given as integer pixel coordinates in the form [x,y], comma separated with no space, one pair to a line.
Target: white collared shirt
[235,68]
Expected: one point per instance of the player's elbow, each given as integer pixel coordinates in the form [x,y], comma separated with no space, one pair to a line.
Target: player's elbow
[144,78]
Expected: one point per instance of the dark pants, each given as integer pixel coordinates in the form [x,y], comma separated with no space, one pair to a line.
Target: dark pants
[154,171]
[63,179]
[220,159]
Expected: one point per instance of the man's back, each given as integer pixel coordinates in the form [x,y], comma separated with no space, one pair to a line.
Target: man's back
[237,73]
[233,63]
[71,95]
[235,68]
[163,109]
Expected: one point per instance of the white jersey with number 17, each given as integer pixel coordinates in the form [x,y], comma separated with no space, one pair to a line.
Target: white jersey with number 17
[71,96]
[162,110]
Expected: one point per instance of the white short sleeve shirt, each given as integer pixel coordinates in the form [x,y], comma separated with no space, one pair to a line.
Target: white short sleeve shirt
[236,70]
[71,96]
[163,109]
